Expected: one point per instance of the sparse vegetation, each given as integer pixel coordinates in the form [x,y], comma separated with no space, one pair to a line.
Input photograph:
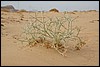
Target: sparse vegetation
[91,10]
[53,33]
[2,25]
[75,11]
[54,10]
[22,10]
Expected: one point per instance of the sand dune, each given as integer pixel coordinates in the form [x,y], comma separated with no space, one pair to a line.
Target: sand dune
[13,55]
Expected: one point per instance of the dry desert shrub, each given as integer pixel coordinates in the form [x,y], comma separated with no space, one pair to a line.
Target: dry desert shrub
[2,25]
[92,11]
[75,11]
[54,10]
[53,33]
[22,10]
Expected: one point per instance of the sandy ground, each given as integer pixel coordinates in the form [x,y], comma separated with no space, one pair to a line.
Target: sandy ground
[13,55]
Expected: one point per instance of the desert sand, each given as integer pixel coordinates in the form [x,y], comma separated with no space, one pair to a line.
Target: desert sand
[13,55]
